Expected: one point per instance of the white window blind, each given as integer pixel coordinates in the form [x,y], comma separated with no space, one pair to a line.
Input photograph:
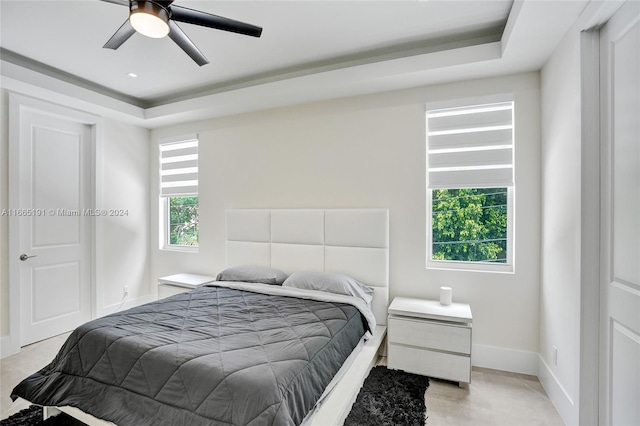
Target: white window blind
[179,168]
[470,147]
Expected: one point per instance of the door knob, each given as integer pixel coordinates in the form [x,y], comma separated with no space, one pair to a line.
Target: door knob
[24,257]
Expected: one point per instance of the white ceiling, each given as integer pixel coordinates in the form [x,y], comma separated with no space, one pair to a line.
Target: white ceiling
[309,50]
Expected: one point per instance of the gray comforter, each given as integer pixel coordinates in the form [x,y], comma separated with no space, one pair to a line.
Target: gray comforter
[212,356]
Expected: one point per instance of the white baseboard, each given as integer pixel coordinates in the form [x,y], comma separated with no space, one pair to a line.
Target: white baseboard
[557,394]
[131,303]
[512,360]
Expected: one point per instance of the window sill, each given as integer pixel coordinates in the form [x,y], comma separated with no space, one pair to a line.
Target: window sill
[471,267]
[180,249]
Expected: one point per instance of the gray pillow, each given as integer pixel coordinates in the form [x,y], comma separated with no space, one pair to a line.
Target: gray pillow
[253,274]
[329,282]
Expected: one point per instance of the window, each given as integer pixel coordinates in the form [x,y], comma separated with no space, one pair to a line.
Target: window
[470,187]
[179,193]
[183,221]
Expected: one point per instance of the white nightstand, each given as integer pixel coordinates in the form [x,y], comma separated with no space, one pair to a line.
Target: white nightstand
[180,283]
[428,338]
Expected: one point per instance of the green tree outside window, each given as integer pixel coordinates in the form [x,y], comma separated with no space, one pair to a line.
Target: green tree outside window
[183,221]
[469,225]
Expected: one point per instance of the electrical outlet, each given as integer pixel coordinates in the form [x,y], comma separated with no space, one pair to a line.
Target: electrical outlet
[555,355]
[125,291]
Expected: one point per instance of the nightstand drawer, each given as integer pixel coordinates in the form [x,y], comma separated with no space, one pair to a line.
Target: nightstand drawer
[432,335]
[427,363]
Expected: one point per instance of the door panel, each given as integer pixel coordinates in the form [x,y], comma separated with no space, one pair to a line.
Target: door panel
[49,281]
[626,153]
[54,190]
[625,391]
[620,239]
[56,184]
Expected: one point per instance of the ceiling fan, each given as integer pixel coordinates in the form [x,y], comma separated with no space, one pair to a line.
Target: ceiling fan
[154,18]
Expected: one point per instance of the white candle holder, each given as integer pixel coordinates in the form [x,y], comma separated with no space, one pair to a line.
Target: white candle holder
[446,295]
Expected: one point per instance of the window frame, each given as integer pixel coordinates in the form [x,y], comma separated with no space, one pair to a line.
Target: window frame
[509,266]
[166,234]
[164,205]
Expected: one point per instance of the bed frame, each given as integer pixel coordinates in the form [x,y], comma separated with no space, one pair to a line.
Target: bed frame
[354,242]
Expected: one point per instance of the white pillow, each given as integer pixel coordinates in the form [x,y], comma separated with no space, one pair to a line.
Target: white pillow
[252,274]
[329,282]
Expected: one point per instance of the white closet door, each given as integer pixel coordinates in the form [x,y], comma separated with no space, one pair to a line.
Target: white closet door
[620,191]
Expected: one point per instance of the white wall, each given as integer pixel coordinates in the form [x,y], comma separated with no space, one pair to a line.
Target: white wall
[125,239]
[561,232]
[123,242]
[369,151]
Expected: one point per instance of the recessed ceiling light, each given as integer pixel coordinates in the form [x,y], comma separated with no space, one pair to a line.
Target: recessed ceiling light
[132,74]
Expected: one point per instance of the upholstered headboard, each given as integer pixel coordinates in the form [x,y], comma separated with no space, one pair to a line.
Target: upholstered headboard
[353,242]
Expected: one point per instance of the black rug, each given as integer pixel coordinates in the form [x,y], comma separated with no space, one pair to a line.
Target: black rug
[390,398]
[32,416]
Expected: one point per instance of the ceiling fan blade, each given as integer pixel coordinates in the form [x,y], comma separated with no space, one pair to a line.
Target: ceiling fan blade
[176,34]
[120,36]
[190,16]
[120,2]
[164,4]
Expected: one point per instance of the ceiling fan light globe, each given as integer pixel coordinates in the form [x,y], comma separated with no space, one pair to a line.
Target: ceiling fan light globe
[148,24]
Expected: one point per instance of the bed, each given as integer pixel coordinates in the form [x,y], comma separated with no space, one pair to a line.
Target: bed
[301,358]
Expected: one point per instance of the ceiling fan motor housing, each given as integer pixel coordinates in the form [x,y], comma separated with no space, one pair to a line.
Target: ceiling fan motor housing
[152,15]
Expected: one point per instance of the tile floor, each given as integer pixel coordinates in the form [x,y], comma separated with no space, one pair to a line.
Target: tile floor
[15,368]
[493,398]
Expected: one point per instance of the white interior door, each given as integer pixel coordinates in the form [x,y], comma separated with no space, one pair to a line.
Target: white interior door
[620,264]
[54,228]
